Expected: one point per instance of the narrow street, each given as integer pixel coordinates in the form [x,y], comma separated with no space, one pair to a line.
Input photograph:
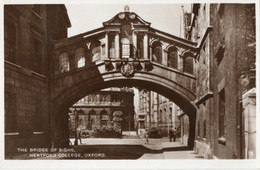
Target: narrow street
[134,147]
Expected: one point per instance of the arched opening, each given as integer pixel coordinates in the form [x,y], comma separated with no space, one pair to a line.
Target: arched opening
[172,58]
[95,49]
[188,65]
[64,65]
[80,57]
[184,103]
[157,52]
[92,118]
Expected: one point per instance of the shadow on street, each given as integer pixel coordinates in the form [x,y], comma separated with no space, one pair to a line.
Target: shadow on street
[121,151]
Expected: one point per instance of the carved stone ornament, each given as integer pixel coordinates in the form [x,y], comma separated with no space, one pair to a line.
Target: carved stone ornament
[121,15]
[132,15]
[127,69]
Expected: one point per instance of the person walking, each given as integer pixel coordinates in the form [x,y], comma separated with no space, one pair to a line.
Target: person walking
[171,135]
[79,136]
[174,134]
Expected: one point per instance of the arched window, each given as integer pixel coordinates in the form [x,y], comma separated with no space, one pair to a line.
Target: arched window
[157,52]
[64,62]
[173,58]
[188,65]
[125,48]
[96,51]
[80,57]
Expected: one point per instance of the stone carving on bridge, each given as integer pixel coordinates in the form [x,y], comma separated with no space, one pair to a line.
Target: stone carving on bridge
[127,69]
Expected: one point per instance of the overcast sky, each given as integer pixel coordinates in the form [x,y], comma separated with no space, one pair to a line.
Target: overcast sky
[86,17]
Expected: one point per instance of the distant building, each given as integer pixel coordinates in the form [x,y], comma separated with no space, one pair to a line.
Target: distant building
[97,109]
[157,111]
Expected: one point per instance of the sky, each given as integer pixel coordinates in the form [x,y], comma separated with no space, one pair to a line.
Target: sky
[164,17]
[86,17]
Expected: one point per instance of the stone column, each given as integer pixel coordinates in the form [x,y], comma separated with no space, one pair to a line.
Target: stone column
[146,46]
[180,62]
[106,46]
[249,118]
[134,44]
[165,57]
[117,48]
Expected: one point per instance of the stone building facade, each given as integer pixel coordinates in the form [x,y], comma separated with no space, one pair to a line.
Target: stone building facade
[98,108]
[29,32]
[155,110]
[225,68]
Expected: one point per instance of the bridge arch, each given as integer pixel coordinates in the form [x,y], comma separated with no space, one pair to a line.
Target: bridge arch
[70,87]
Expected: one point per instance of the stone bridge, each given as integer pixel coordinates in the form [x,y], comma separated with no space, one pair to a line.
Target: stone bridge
[125,52]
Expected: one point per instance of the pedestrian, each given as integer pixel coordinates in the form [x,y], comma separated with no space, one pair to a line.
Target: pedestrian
[79,136]
[146,136]
[174,134]
[171,135]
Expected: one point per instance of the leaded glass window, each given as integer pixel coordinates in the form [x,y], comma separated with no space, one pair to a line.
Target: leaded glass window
[80,57]
[64,62]
[173,58]
[125,48]
[157,52]
[96,51]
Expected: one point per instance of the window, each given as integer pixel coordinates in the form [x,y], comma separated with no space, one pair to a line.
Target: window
[103,117]
[112,47]
[37,55]
[80,57]
[140,47]
[173,58]
[125,48]
[95,50]
[220,51]
[10,112]
[188,65]
[157,52]
[10,41]
[64,62]
[221,108]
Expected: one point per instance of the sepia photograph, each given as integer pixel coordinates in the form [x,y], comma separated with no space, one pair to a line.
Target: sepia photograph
[130,81]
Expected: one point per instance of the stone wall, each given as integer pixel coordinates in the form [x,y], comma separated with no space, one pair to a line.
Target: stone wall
[26,72]
[226,62]
[230,22]
[26,98]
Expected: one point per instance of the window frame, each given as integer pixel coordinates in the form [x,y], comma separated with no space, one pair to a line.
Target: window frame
[174,63]
[79,57]
[64,62]
[188,67]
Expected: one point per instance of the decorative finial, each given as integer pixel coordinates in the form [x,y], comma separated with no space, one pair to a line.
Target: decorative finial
[126,8]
